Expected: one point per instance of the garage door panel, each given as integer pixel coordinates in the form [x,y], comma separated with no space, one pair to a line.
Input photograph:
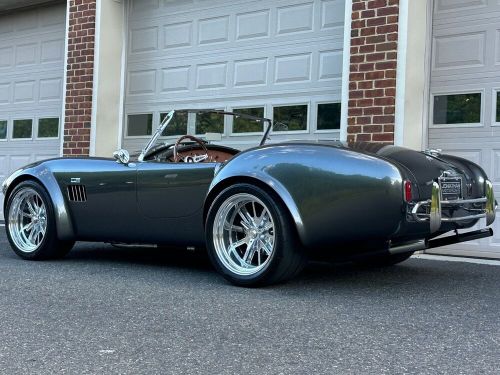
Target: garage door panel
[465,61]
[31,82]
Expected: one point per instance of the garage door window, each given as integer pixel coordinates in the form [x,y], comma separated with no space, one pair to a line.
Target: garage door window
[328,116]
[242,125]
[48,127]
[498,108]
[140,125]
[209,123]
[22,129]
[178,124]
[457,109]
[293,116]
[3,129]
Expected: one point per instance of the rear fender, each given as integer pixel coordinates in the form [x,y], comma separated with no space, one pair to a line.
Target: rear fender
[330,192]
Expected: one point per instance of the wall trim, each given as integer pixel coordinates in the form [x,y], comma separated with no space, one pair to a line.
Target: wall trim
[428,69]
[346,62]
[95,85]
[401,74]
[121,113]
[65,84]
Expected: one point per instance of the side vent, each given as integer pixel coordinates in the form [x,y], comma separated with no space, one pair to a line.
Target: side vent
[77,193]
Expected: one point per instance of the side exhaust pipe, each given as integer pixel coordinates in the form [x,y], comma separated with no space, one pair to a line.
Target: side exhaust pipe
[438,242]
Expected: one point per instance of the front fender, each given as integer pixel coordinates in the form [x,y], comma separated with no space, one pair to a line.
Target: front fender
[45,177]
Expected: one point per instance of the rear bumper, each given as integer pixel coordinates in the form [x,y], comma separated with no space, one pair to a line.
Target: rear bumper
[432,210]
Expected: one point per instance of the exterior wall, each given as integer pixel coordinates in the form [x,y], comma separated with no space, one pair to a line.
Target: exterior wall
[416,97]
[372,77]
[79,77]
[107,108]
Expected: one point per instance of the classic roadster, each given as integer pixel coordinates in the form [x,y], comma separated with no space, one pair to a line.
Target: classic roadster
[260,212]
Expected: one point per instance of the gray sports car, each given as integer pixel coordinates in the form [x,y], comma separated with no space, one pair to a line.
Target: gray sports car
[260,212]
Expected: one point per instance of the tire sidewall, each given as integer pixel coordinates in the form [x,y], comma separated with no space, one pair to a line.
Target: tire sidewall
[50,235]
[264,275]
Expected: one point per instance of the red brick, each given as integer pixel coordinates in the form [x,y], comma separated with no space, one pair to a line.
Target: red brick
[383,137]
[365,85]
[363,137]
[385,83]
[376,4]
[352,129]
[363,120]
[383,119]
[358,6]
[389,46]
[376,21]
[374,93]
[372,129]
[368,31]
[373,111]
[386,11]
[374,75]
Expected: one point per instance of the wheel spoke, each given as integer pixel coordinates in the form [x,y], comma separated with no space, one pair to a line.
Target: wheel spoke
[267,248]
[245,215]
[31,208]
[27,227]
[250,252]
[234,228]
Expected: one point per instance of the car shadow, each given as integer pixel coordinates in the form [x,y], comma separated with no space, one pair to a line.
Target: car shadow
[317,275]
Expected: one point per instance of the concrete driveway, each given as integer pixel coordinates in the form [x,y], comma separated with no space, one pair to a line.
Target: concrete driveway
[133,311]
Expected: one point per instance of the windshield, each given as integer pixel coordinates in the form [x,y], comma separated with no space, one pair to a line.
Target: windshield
[267,124]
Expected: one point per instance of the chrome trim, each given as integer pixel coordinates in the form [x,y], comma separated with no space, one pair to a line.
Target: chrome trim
[407,248]
[436,203]
[433,151]
[490,203]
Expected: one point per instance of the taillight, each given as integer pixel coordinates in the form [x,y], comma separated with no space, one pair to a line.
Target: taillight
[407,191]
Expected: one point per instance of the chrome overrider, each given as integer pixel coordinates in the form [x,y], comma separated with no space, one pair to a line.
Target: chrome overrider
[433,208]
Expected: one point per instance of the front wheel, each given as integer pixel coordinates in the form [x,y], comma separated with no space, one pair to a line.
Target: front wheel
[251,240]
[30,224]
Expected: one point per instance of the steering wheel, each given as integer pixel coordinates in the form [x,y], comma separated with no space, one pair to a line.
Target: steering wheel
[194,158]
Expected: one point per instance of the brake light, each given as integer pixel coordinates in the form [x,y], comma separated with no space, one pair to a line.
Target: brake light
[407,191]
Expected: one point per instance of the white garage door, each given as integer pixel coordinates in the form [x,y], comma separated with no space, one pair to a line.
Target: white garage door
[280,59]
[465,94]
[31,82]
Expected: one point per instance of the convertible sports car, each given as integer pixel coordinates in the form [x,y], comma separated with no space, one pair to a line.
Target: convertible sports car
[260,212]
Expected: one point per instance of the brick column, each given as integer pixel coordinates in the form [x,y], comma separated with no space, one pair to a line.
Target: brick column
[372,78]
[80,76]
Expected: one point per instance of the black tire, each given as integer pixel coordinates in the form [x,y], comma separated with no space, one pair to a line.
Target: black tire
[288,257]
[384,260]
[50,246]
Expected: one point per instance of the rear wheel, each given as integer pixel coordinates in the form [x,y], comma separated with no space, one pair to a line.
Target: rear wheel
[250,238]
[30,224]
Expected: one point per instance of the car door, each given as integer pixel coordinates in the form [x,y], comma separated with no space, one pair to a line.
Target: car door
[172,190]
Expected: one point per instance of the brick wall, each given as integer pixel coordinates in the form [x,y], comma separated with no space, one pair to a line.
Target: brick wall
[80,75]
[372,78]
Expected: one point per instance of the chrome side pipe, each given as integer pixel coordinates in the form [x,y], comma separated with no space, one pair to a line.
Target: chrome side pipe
[443,241]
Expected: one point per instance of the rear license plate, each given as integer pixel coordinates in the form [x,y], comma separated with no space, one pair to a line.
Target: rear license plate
[451,188]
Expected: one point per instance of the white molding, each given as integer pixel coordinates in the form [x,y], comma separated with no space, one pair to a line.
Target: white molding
[399,116]
[65,74]
[426,115]
[123,65]
[346,62]
[95,84]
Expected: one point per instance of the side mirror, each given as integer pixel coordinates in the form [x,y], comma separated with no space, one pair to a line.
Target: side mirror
[122,156]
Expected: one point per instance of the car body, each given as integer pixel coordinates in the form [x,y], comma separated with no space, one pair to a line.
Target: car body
[254,210]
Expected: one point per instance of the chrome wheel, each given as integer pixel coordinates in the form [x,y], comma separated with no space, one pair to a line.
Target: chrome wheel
[244,234]
[27,220]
